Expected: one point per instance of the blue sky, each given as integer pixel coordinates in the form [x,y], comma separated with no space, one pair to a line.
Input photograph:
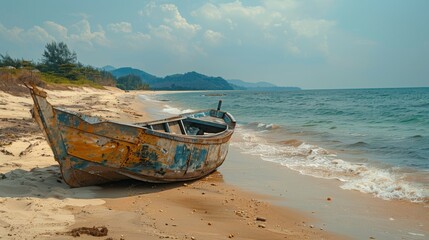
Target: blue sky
[310,44]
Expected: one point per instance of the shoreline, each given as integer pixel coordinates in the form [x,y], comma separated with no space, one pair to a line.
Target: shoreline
[37,204]
[312,149]
[351,213]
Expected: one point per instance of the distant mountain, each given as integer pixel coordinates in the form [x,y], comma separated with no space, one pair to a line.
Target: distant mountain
[191,81]
[187,81]
[194,81]
[242,83]
[265,86]
[236,87]
[108,68]
[124,71]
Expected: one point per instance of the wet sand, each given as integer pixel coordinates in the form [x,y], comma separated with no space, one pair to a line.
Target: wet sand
[349,213]
[37,204]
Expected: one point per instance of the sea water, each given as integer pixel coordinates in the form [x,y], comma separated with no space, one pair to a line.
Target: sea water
[373,140]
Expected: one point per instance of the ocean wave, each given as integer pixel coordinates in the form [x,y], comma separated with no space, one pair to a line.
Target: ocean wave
[174,111]
[318,162]
[358,144]
[410,120]
[146,98]
[262,126]
[418,136]
[291,142]
[387,185]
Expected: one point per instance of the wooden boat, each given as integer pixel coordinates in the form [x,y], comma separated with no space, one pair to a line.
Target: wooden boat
[93,151]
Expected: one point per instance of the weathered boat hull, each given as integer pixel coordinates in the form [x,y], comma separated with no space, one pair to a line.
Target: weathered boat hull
[90,151]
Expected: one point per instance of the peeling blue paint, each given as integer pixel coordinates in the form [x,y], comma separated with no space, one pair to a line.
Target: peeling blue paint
[146,166]
[198,158]
[79,163]
[180,157]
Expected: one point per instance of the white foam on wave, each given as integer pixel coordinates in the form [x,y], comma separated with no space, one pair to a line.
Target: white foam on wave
[318,162]
[174,111]
[146,98]
[263,126]
[387,185]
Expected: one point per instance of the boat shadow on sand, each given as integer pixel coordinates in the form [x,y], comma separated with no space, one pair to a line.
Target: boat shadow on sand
[47,182]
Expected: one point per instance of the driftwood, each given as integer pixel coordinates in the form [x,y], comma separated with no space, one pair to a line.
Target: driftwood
[94,231]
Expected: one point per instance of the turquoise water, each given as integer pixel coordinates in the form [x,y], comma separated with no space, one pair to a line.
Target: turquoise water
[374,140]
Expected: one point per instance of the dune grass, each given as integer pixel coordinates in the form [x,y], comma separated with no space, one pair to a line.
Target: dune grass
[55,79]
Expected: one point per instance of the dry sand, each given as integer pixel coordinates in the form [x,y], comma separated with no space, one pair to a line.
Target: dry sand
[36,204]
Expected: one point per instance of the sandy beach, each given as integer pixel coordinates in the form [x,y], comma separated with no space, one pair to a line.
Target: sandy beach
[37,204]
[288,119]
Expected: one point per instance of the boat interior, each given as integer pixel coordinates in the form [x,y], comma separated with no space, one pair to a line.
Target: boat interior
[187,126]
[181,125]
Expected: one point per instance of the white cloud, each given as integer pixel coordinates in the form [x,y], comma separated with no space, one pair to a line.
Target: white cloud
[168,16]
[148,9]
[168,30]
[238,23]
[59,31]
[40,34]
[209,11]
[237,9]
[163,32]
[52,31]
[292,48]
[311,27]
[174,18]
[83,33]
[140,36]
[233,12]
[19,35]
[125,27]
[273,23]
[213,37]
[13,34]
[138,40]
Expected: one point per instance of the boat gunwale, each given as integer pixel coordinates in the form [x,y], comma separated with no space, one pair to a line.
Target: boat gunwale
[204,139]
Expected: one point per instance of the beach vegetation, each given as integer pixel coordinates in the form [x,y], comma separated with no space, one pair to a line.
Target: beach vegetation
[59,65]
[55,79]
[58,58]
[131,82]
[6,61]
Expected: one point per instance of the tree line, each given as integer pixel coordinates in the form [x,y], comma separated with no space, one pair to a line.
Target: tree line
[59,60]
